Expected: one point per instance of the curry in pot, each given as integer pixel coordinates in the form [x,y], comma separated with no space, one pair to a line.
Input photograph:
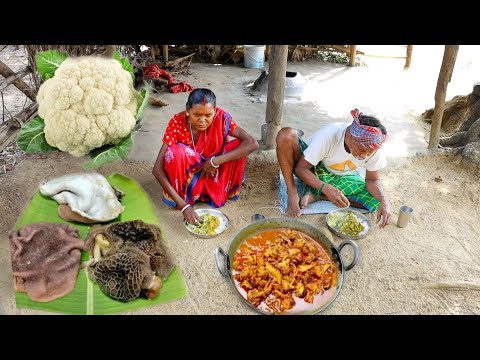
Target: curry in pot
[283,271]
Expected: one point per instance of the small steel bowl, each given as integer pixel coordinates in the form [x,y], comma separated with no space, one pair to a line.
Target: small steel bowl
[362,218]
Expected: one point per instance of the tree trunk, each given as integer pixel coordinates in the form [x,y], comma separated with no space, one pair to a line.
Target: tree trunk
[276,92]
[446,70]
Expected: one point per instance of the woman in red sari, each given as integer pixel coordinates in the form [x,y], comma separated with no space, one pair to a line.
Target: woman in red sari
[197,160]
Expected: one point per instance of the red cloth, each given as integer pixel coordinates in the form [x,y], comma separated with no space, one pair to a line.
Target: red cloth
[154,71]
[181,160]
[181,87]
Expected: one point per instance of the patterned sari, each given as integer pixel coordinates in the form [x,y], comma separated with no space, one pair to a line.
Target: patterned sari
[183,157]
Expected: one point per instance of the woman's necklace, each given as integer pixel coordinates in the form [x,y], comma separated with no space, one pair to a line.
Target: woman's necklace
[193,141]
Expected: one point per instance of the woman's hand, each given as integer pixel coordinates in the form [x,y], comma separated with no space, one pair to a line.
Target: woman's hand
[336,196]
[207,169]
[191,216]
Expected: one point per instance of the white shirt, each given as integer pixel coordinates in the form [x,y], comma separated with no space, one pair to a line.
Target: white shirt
[326,145]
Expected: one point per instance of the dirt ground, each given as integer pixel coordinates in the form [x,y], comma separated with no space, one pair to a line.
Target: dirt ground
[429,267]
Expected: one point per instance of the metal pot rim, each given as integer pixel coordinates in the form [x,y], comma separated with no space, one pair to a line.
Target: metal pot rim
[271,223]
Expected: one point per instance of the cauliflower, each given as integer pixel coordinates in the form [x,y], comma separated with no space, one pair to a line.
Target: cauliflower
[89,102]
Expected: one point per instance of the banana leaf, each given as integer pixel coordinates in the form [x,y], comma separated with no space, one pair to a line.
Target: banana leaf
[87,298]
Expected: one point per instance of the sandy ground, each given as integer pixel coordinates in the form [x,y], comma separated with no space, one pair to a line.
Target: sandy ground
[396,267]
[429,267]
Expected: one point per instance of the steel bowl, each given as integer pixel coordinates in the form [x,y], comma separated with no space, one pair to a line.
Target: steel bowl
[221,228]
[362,218]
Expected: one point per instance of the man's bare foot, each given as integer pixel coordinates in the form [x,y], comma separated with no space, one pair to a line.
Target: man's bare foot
[293,208]
[307,199]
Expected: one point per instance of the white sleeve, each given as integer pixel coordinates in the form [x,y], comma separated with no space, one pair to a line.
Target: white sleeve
[377,162]
[318,147]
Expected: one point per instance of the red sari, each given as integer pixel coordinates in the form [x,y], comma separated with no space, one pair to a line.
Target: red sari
[183,157]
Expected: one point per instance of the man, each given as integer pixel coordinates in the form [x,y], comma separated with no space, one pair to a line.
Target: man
[328,165]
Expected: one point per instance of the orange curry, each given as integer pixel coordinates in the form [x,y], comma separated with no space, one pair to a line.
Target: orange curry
[278,268]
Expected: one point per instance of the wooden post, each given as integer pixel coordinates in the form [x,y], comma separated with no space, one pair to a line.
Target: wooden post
[154,52]
[446,70]
[408,60]
[165,53]
[353,54]
[276,92]
[267,52]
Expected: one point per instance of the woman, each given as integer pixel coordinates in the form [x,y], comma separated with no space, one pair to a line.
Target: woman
[197,161]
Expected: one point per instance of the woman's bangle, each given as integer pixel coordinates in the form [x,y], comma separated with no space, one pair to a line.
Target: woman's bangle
[183,209]
[321,188]
[211,162]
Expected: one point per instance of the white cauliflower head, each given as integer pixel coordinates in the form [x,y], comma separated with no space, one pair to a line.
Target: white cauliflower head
[89,102]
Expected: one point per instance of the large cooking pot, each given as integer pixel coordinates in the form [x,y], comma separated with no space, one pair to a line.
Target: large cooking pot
[225,267]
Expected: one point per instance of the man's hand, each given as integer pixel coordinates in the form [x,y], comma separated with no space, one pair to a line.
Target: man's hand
[336,196]
[384,213]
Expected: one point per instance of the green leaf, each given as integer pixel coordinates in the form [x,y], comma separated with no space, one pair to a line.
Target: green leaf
[31,137]
[87,298]
[116,55]
[127,66]
[109,153]
[142,104]
[125,63]
[49,61]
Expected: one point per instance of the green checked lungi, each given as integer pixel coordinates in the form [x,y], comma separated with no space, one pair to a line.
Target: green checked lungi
[352,185]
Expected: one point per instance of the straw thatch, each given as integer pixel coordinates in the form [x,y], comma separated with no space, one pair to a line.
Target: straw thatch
[203,53]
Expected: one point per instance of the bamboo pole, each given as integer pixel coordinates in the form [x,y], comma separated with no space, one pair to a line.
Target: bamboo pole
[21,85]
[408,60]
[19,75]
[353,54]
[344,49]
[179,60]
[276,92]
[444,77]
[10,128]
